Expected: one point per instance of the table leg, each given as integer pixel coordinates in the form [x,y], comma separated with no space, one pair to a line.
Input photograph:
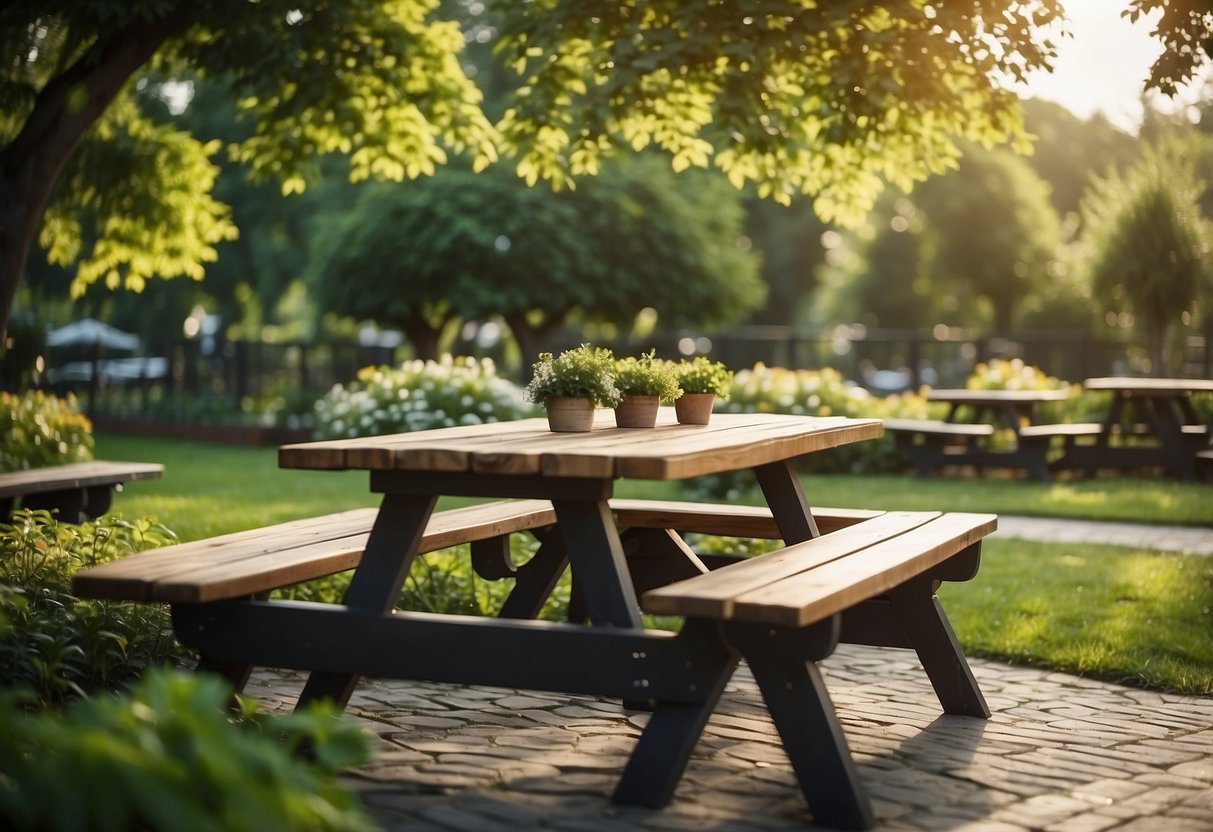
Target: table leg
[375,587]
[599,566]
[785,496]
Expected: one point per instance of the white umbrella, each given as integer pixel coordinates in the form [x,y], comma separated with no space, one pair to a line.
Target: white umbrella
[90,331]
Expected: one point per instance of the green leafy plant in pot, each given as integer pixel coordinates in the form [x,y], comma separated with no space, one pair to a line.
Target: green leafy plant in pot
[703,381]
[645,382]
[571,385]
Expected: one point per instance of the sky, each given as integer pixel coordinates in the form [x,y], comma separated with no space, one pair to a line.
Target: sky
[1103,66]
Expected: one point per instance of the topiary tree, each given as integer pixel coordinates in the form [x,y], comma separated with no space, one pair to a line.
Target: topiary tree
[1146,242]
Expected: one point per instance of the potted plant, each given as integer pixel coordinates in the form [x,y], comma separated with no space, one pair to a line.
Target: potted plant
[572,385]
[702,381]
[645,383]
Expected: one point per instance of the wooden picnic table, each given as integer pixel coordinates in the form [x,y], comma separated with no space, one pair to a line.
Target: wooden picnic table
[78,491]
[1151,422]
[1012,409]
[973,417]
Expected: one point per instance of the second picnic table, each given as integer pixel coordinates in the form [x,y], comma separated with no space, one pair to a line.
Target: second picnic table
[973,417]
[1150,422]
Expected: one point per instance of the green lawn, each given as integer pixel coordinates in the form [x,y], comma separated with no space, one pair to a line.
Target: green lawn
[1123,614]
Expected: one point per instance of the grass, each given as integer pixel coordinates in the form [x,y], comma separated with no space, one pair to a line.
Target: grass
[1121,614]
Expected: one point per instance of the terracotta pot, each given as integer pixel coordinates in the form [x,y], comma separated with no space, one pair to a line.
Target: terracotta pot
[637,412]
[694,408]
[570,415]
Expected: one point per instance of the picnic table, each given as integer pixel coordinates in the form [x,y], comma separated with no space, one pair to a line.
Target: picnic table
[962,436]
[1151,422]
[871,579]
[78,491]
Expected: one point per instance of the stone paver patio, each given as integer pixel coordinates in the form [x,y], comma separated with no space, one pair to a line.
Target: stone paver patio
[1059,753]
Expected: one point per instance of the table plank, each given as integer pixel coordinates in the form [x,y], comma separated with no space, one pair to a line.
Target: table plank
[1162,387]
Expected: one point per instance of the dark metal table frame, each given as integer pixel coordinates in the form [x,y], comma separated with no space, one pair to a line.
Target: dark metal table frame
[1011,409]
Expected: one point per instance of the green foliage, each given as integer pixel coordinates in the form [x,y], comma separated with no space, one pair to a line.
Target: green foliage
[647,375]
[38,429]
[419,395]
[788,96]
[993,235]
[467,246]
[168,757]
[59,647]
[582,372]
[1146,242]
[703,375]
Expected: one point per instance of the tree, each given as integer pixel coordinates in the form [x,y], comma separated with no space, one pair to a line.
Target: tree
[823,99]
[993,234]
[461,246]
[381,82]
[1147,243]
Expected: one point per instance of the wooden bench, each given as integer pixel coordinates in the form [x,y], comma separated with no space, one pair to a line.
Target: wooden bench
[872,582]
[253,563]
[79,491]
[931,444]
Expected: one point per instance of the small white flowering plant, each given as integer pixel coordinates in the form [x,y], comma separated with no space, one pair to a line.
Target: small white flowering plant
[419,395]
[585,372]
[647,375]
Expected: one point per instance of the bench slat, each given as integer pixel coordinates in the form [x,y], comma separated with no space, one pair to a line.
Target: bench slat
[75,475]
[936,427]
[835,586]
[259,560]
[725,520]
[712,595]
[1062,429]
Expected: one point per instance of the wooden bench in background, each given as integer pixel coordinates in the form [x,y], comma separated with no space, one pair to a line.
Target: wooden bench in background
[872,582]
[931,443]
[79,491]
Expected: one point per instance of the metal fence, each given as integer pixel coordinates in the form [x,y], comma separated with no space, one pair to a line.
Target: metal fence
[883,360]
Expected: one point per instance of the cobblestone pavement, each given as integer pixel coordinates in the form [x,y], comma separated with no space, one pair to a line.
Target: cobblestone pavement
[1059,753]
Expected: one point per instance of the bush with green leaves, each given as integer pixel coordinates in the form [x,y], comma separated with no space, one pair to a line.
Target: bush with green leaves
[38,429]
[58,647]
[168,756]
[703,375]
[647,375]
[419,395]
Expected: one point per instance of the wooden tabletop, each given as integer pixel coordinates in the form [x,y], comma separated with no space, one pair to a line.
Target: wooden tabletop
[1151,386]
[732,441]
[996,397]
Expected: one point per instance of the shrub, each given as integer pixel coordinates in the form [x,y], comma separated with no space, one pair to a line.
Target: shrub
[168,757]
[37,429]
[58,647]
[419,395]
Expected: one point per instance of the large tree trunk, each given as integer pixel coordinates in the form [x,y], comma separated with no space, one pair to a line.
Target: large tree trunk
[64,111]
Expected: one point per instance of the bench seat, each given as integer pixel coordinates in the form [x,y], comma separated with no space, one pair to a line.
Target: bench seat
[256,561]
[872,582]
[723,519]
[938,427]
[80,491]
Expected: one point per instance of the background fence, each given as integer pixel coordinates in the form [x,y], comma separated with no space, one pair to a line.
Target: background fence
[234,373]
